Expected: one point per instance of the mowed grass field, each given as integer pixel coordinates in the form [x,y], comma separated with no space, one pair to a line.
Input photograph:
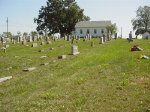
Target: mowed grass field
[104,78]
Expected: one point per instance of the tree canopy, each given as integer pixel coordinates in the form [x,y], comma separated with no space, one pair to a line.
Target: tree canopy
[111,29]
[142,21]
[59,16]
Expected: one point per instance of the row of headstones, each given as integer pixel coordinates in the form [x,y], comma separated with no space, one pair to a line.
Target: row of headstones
[74,51]
[24,39]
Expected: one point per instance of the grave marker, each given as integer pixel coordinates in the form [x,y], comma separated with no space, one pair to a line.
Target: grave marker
[101,40]
[5,78]
[29,69]
[62,57]
[75,50]
[34,45]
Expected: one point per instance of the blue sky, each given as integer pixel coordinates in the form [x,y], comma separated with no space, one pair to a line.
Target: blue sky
[22,12]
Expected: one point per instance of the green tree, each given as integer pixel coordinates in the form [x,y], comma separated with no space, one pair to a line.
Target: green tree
[7,34]
[25,34]
[142,21]
[34,34]
[19,33]
[111,30]
[59,16]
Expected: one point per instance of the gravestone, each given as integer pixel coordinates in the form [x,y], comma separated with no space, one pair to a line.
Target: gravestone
[65,37]
[44,64]
[6,46]
[90,37]
[101,40]
[5,78]
[42,50]
[62,57]
[115,35]
[2,40]
[49,42]
[34,45]
[43,57]
[68,38]
[18,39]
[78,37]
[29,69]
[24,42]
[130,37]
[42,43]
[4,49]
[74,50]
[14,41]
[51,49]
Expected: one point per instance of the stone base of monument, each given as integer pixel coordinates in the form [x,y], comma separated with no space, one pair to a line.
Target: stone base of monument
[62,57]
[75,53]
[29,69]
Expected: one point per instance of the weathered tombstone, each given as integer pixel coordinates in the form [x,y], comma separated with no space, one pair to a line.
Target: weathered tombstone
[42,43]
[21,39]
[92,44]
[90,37]
[65,37]
[6,46]
[34,45]
[74,50]
[18,39]
[30,38]
[51,49]
[78,37]
[115,35]
[101,40]
[43,57]
[14,41]
[44,64]
[104,38]
[68,38]
[130,37]
[62,57]
[49,42]
[5,78]
[29,69]
[4,49]
[42,50]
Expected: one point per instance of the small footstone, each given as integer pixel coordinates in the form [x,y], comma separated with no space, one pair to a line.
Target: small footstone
[43,57]
[29,69]
[44,64]
[62,57]
[5,78]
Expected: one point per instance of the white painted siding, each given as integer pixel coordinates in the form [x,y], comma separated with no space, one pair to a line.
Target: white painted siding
[91,32]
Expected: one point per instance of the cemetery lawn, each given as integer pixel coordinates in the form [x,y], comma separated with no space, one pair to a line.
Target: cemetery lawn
[104,78]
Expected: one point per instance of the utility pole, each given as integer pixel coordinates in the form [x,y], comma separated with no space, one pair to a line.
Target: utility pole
[7,26]
[121,32]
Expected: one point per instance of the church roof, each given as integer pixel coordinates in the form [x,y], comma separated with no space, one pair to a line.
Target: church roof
[91,24]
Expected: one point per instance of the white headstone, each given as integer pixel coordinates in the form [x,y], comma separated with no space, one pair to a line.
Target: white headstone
[5,78]
[75,50]
[101,40]
[34,45]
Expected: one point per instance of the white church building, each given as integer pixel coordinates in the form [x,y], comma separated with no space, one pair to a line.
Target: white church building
[94,28]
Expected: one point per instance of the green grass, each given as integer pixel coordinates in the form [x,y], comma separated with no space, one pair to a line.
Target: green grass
[103,78]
